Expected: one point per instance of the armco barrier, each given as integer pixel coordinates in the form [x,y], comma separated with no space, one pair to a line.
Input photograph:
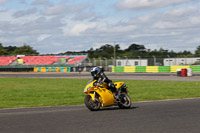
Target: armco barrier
[63,69]
[154,69]
[51,69]
[174,68]
[119,69]
[48,69]
[57,69]
[39,69]
[164,69]
[129,69]
[140,69]
[43,69]
[113,69]
[68,69]
[195,68]
[35,69]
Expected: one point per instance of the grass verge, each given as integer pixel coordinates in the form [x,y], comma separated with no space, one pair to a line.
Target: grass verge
[31,92]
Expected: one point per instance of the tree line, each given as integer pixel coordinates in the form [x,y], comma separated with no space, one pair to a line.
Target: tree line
[14,50]
[133,51]
[105,51]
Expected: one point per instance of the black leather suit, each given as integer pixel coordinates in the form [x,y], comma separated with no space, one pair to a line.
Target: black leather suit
[103,78]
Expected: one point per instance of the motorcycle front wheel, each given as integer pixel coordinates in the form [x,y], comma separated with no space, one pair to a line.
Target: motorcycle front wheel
[125,101]
[92,105]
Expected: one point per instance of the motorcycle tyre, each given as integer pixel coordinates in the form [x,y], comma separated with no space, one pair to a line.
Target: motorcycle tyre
[89,106]
[122,106]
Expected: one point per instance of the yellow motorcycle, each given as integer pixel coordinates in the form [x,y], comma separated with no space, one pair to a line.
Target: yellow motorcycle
[100,96]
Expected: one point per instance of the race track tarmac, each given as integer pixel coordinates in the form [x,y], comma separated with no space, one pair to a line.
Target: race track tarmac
[173,116]
[118,76]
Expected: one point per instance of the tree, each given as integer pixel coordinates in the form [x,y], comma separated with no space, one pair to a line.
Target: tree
[136,48]
[106,50]
[3,51]
[197,52]
[10,49]
[25,50]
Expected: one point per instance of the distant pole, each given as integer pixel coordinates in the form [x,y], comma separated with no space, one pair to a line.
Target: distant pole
[114,54]
[100,61]
[185,59]
[112,61]
[139,59]
[154,60]
[89,61]
[117,62]
[94,62]
[126,62]
[106,63]
[169,60]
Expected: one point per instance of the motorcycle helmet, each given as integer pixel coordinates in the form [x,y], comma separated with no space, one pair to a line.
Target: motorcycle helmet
[95,71]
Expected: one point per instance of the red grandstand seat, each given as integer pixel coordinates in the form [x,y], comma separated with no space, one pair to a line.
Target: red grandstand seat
[40,60]
[7,60]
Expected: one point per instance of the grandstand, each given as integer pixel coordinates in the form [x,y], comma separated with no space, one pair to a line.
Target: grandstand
[41,61]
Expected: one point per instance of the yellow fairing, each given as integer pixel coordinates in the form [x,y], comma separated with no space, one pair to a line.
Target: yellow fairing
[118,84]
[106,96]
[92,96]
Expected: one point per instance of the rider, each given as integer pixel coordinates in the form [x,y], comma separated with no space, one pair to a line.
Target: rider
[99,75]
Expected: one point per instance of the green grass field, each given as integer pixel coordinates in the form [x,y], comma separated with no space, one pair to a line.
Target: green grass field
[31,92]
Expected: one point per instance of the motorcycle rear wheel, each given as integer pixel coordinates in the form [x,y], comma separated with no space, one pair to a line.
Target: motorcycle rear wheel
[92,105]
[125,101]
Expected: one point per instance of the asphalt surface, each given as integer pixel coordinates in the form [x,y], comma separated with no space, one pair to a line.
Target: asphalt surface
[86,75]
[173,116]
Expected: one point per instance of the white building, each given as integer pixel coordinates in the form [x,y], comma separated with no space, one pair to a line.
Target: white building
[131,62]
[180,61]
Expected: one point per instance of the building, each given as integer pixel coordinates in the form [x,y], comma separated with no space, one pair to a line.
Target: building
[131,62]
[180,61]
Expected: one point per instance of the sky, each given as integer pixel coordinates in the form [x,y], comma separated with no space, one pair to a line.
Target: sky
[55,26]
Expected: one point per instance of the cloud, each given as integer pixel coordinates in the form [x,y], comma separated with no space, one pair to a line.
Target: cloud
[3,1]
[181,11]
[165,25]
[22,13]
[115,29]
[84,16]
[64,9]
[80,28]
[147,4]
[22,1]
[40,2]
[42,37]
[56,10]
